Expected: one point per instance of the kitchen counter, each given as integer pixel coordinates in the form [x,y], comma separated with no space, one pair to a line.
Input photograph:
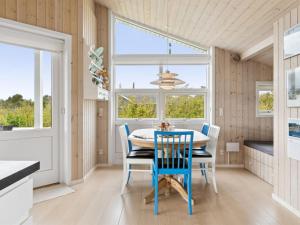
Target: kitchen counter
[13,171]
[16,191]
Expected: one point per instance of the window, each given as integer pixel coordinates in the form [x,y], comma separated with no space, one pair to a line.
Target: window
[184,106]
[133,39]
[264,99]
[137,106]
[18,87]
[139,55]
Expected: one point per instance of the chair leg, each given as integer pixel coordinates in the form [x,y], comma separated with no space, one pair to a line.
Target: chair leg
[129,173]
[153,178]
[185,180]
[214,177]
[155,194]
[189,186]
[203,171]
[125,177]
[200,164]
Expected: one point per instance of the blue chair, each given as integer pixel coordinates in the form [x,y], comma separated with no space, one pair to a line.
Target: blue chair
[205,129]
[170,161]
[128,133]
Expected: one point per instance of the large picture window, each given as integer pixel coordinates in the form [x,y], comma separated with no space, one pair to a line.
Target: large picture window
[139,55]
[25,87]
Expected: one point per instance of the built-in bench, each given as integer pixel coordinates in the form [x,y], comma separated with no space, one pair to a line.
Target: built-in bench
[258,159]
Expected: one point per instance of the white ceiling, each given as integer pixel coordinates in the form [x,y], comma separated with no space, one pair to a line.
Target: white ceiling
[235,25]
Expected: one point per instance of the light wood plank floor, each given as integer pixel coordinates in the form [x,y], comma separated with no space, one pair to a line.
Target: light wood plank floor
[243,199]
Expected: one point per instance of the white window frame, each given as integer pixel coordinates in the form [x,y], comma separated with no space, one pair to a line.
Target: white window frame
[184,92]
[160,60]
[263,86]
[139,92]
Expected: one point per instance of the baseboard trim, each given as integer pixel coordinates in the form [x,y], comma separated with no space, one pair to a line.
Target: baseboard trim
[286,205]
[230,166]
[101,165]
[90,172]
[74,182]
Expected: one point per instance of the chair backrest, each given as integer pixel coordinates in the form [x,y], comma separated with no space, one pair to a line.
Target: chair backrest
[173,146]
[128,133]
[124,140]
[205,129]
[213,135]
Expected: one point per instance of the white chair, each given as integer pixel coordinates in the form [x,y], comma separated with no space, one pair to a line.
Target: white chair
[139,157]
[208,156]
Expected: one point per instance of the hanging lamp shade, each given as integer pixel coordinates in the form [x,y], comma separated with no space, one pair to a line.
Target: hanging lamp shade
[167,80]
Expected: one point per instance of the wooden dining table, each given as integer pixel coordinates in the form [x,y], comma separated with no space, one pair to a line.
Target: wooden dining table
[144,138]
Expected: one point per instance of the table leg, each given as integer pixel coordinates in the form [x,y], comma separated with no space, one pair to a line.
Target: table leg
[161,184]
[168,182]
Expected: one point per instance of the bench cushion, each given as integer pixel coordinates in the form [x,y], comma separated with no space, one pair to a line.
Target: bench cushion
[263,146]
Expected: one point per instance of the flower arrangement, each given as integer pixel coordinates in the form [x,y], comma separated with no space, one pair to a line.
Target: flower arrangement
[96,68]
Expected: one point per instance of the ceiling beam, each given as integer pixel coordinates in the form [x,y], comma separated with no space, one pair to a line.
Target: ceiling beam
[258,48]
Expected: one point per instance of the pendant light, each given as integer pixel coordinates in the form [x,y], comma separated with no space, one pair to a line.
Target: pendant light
[167,80]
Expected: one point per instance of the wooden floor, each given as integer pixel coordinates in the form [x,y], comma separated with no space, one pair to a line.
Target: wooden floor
[243,199]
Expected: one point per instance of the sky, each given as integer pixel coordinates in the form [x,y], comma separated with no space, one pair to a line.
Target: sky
[17,64]
[17,71]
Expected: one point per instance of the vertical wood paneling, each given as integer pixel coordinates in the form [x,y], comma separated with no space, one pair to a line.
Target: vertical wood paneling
[89,106]
[102,40]
[236,95]
[286,171]
[89,135]
[63,16]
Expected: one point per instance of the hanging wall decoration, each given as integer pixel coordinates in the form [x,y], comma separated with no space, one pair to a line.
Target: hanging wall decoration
[96,68]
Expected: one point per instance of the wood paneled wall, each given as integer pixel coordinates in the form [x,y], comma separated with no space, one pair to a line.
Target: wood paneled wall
[89,136]
[235,95]
[102,40]
[63,16]
[89,106]
[286,171]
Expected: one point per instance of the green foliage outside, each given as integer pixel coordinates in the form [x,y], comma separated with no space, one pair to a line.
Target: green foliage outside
[186,106]
[136,106]
[266,101]
[19,112]
[145,106]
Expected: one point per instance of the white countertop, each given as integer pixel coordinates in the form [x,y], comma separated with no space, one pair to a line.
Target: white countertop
[8,168]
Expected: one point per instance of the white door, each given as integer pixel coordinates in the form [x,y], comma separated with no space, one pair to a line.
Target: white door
[34,115]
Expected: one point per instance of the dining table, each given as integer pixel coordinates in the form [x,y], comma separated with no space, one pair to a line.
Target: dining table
[144,138]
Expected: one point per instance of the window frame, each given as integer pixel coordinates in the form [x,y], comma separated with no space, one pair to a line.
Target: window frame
[141,92]
[161,60]
[198,92]
[263,86]
[38,113]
